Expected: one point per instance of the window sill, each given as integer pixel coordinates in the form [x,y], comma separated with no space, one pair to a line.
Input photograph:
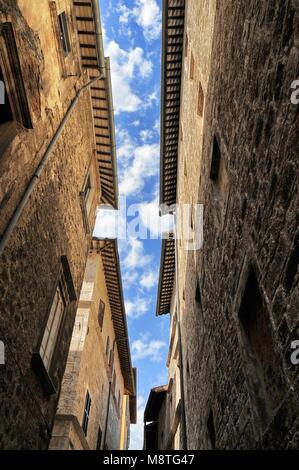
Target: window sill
[42,374]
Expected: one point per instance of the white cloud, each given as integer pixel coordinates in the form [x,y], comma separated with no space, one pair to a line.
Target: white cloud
[125,149]
[145,165]
[152,98]
[136,257]
[149,279]
[137,430]
[147,15]
[136,308]
[136,123]
[125,67]
[146,135]
[151,350]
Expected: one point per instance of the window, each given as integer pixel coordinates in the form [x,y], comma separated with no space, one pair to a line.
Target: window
[261,362]
[113,382]
[101,313]
[215,165]
[186,44]
[292,266]
[49,340]
[50,354]
[200,100]
[6,112]
[111,357]
[64,35]
[85,203]
[107,345]
[15,109]
[192,67]
[99,440]
[86,413]
[211,431]
[87,189]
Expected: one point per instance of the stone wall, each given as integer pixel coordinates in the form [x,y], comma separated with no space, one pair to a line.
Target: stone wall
[240,384]
[51,224]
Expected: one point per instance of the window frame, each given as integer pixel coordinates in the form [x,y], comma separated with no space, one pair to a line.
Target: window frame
[13,86]
[86,412]
[46,374]
[84,199]
[101,313]
[64,33]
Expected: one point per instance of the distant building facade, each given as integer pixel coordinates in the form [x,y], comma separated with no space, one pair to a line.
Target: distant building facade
[57,163]
[97,402]
[228,141]
[163,424]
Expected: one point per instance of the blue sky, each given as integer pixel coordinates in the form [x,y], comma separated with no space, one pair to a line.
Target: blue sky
[132,40]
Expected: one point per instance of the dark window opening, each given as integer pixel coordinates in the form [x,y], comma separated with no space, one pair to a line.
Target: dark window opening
[99,440]
[262,364]
[14,112]
[186,45]
[192,67]
[211,431]
[198,294]
[107,345]
[201,99]
[101,313]
[64,35]
[216,157]
[86,413]
[292,267]
[6,114]
[87,189]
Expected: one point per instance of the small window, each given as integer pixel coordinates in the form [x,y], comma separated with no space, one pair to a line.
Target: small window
[211,431]
[113,382]
[64,35]
[86,413]
[14,105]
[292,266]
[186,44]
[85,203]
[192,67]
[99,440]
[216,157]
[49,340]
[200,100]
[101,313]
[107,345]
[87,189]
[261,361]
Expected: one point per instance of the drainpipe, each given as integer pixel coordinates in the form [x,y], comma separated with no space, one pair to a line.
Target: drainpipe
[183,408]
[35,178]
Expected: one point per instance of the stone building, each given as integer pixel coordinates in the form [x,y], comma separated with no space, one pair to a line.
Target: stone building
[229,141]
[57,162]
[97,401]
[163,413]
